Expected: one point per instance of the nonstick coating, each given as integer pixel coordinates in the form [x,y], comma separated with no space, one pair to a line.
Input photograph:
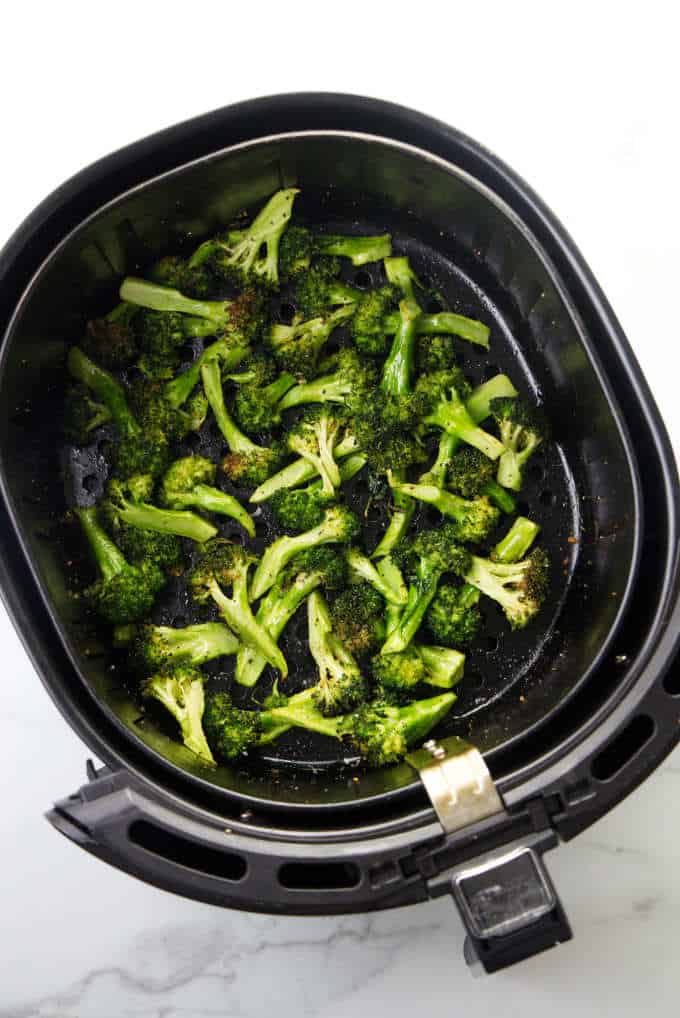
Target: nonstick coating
[580,487]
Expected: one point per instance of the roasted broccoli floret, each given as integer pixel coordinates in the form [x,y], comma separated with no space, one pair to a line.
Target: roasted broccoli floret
[180,690]
[123,593]
[111,341]
[230,730]
[160,335]
[246,463]
[522,428]
[387,429]
[397,676]
[426,558]
[83,414]
[226,565]
[301,508]
[175,271]
[382,733]
[338,526]
[258,407]
[189,484]
[472,519]
[472,474]
[444,666]
[299,246]
[296,347]
[300,470]
[519,587]
[368,328]
[341,686]
[361,568]
[435,353]
[453,616]
[122,507]
[358,619]
[314,438]
[157,648]
[444,395]
[319,567]
[350,381]
[318,289]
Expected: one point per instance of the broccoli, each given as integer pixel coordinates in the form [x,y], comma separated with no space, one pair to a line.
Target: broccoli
[298,247]
[453,617]
[258,407]
[296,347]
[518,587]
[341,686]
[246,462]
[522,429]
[141,545]
[517,541]
[447,410]
[180,273]
[180,690]
[189,483]
[301,470]
[155,415]
[318,567]
[239,255]
[427,557]
[472,519]
[299,509]
[318,290]
[471,474]
[230,730]
[444,666]
[178,391]
[386,426]
[156,648]
[122,508]
[398,368]
[338,526]
[361,568]
[314,438]
[123,593]
[351,381]
[358,619]
[111,341]
[397,676]
[160,335]
[368,324]
[224,564]
[447,323]
[434,353]
[83,414]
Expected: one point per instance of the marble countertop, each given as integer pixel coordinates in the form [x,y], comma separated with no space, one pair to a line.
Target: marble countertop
[81,940]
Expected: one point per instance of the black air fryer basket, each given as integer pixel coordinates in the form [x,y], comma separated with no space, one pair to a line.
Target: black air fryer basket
[552,727]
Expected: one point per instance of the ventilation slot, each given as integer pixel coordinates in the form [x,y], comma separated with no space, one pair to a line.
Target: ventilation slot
[623,748]
[191,854]
[333,876]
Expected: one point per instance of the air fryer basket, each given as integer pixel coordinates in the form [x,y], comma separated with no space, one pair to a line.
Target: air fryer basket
[542,706]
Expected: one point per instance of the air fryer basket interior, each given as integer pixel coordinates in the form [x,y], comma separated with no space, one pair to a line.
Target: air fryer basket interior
[583,490]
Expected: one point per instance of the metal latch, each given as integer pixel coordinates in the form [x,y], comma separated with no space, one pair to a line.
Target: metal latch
[457,781]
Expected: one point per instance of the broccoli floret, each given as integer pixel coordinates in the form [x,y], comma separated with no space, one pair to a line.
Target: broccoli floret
[298,247]
[299,509]
[224,564]
[338,526]
[472,519]
[341,686]
[231,731]
[160,335]
[83,414]
[519,588]
[177,272]
[472,474]
[123,508]
[358,619]
[444,666]
[368,325]
[300,470]
[386,426]
[111,341]
[246,463]
[445,397]
[361,568]
[123,593]
[522,429]
[296,347]
[252,255]
[397,676]
[317,290]
[398,368]
[351,380]
[257,407]
[434,353]
[155,415]
[189,484]
[319,567]
[157,648]
[382,733]
[180,690]
[426,558]
[314,438]
[453,617]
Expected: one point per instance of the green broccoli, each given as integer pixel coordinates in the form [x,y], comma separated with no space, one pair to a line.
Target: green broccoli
[472,474]
[444,666]
[519,587]
[368,324]
[224,564]
[300,508]
[111,341]
[160,335]
[301,470]
[397,676]
[122,507]
[314,438]
[350,381]
[517,541]
[445,396]
[318,290]
[453,616]
[231,731]
[158,648]
[341,686]
[123,593]
[358,619]
[522,429]
[83,414]
[296,347]
[189,483]
[338,526]
[361,568]
[472,519]
[180,690]
[258,408]
[299,246]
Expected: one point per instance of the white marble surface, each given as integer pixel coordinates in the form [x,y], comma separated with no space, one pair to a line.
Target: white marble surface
[585,108]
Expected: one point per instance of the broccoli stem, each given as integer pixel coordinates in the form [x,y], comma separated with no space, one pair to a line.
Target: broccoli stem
[177,391]
[212,384]
[165,298]
[110,560]
[105,386]
[236,612]
[391,573]
[517,541]
[421,592]
[512,461]
[445,667]
[451,415]
[299,471]
[301,712]
[327,389]
[362,568]
[446,502]
[166,521]
[360,250]
[212,500]
[398,368]
[399,521]
[195,644]
[445,323]
[499,497]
